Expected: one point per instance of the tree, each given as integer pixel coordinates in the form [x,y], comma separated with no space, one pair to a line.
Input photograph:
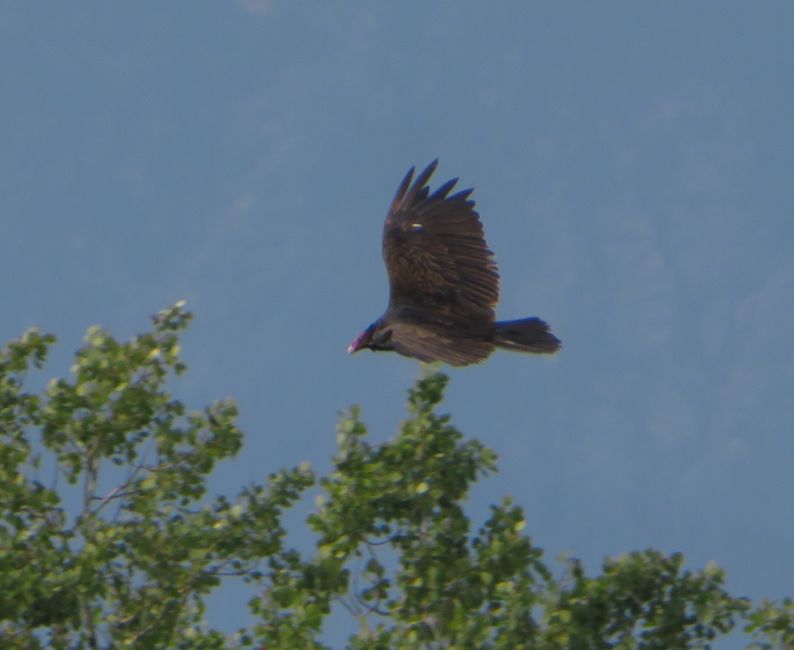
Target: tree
[121,547]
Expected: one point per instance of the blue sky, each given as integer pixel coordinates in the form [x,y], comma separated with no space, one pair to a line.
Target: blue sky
[633,165]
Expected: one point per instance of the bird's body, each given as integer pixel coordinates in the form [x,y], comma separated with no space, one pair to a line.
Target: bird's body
[444,283]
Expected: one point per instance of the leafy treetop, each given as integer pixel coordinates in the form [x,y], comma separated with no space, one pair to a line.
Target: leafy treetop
[122,545]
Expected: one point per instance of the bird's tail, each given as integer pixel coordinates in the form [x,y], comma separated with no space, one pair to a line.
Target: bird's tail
[526,335]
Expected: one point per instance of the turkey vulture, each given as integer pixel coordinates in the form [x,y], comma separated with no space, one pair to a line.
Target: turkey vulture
[444,283]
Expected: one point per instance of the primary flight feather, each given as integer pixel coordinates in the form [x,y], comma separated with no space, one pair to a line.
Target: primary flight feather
[444,282]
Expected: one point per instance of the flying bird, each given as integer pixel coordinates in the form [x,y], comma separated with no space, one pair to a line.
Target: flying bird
[444,283]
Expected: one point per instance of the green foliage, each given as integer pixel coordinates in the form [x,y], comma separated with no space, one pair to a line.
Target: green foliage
[129,563]
[772,625]
[122,546]
[642,600]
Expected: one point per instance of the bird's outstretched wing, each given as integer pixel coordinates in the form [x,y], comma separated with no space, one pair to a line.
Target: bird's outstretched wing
[435,252]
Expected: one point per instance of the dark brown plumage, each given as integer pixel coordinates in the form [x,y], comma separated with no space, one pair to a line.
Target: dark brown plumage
[444,282]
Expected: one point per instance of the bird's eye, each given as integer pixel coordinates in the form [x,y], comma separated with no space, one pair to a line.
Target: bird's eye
[417,227]
[382,337]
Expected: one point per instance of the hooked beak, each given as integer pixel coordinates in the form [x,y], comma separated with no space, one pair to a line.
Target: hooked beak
[355,346]
[360,341]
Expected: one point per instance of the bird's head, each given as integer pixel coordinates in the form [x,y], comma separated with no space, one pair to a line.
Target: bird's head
[375,337]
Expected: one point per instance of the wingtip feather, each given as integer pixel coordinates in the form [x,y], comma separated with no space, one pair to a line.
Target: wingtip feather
[403,187]
[408,193]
